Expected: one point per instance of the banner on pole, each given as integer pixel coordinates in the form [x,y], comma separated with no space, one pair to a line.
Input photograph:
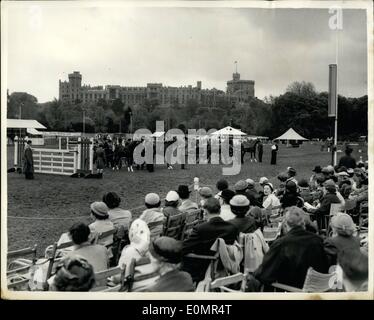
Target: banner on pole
[332,90]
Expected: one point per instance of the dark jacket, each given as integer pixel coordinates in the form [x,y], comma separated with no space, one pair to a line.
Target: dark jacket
[326,202]
[339,243]
[347,161]
[290,256]
[28,161]
[173,281]
[200,241]
[245,224]
[254,197]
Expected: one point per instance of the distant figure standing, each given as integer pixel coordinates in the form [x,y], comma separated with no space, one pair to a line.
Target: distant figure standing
[274,151]
[260,150]
[100,160]
[28,162]
[347,161]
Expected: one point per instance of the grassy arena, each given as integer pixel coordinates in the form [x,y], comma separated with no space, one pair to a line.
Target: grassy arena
[40,210]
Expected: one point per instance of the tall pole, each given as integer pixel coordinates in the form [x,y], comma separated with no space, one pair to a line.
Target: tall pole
[20,117]
[84,122]
[336,101]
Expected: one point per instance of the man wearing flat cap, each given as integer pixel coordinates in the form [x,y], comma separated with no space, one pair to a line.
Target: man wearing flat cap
[167,254]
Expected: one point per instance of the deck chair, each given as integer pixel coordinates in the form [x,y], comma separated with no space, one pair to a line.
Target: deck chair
[18,265]
[223,283]
[103,235]
[127,282]
[350,206]
[102,276]
[314,282]
[53,259]
[336,208]
[18,283]
[192,219]
[156,228]
[173,226]
[272,232]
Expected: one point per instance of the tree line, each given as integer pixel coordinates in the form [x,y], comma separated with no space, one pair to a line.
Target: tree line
[300,107]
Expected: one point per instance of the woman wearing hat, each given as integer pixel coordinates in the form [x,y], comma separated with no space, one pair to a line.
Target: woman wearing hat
[99,212]
[270,203]
[166,253]
[118,216]
[186,205]
[239,206]
[343,237]
[140,237]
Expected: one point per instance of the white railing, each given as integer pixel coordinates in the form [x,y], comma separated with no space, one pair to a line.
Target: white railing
[54,161]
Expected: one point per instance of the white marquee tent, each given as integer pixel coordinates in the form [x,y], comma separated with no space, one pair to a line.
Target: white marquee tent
[228,131]
[291,134]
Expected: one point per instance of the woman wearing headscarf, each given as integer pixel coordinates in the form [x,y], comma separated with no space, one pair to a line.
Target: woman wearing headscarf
[73,273]
[140,237]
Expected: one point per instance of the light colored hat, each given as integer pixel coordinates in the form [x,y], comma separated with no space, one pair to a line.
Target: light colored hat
[239,201]
[343,223]
[263,180]
[330,168]
[240,185]
[172,196]
[152,199]
[343,174]
[270,185]
[99,208]
[206,192]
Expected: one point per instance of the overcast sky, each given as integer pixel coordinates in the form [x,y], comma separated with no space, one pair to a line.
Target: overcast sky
[179,46]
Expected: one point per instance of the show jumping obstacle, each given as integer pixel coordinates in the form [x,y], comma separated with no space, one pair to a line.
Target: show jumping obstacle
[57,161]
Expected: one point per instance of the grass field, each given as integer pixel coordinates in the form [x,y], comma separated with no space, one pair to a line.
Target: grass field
[40,210]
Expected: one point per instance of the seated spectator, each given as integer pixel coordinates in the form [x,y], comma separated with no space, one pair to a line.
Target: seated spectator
[203,236]
[355,268]
[96,255]
[271,202]
[224,200]
[140,237]
[325,204]
[186,204]
[167,254]
[361,192]
[291,196]
[259,218]
[221,185]
[153,213]
[291,172]
[262,181]
[239,206]
[282,177]
[252,194]
[317,171]
[73,274]
[171,204]
[205,194]
[343,238]
[304,191]
[290,256]
[119,217]
[241,187]
[99,212]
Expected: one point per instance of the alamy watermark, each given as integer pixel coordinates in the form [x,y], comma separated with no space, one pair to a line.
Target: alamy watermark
[178,147]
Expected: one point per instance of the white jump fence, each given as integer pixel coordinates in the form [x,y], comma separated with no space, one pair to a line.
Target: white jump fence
[58,161]
[54,161]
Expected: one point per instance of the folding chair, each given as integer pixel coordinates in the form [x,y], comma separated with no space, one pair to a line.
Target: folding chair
[102,276]
[156,228]
[192,219]
[336,208]
[363,217]
[173,226]
[19,266]
[18,283]
[223,283]
[314,282]
[103,235]
[272,232]
[127,282]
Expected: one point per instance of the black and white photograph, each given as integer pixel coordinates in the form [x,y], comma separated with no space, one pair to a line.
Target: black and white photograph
[187,149]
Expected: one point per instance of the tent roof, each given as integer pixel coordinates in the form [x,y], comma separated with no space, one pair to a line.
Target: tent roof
[229,131]
[24,124]
[290,134]
[34,131]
